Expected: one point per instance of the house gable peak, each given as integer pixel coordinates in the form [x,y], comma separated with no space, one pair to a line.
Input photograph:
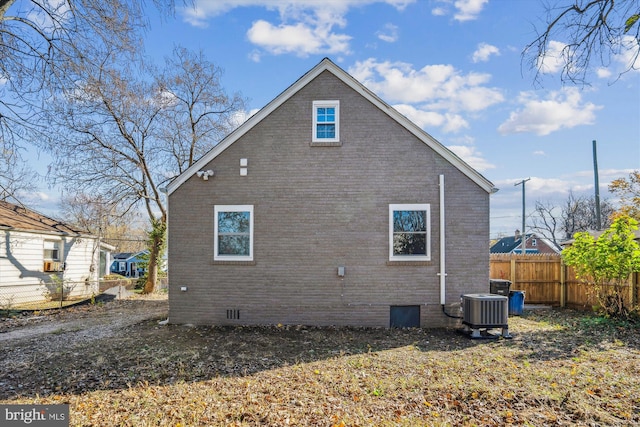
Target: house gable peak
[327,65]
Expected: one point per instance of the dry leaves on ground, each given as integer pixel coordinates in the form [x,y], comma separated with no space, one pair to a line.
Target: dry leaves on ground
[115,365]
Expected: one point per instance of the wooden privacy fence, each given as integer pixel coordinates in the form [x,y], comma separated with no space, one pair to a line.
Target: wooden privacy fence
[545,279]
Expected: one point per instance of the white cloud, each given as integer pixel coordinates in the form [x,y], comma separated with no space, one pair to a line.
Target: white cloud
[562,109]
[553,60]
[603,73]
[427,119]
[539,153]
[473,157]
[465,10]
[484,52]
[435,87]
[299,39]
[538,188]
[468,10]
[306,27]
[629,57]
[241,116]
[389,33]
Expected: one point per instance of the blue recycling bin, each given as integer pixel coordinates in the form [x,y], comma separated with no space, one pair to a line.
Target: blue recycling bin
[516,303]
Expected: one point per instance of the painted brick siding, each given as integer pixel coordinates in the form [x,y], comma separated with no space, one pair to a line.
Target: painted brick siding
[317,208]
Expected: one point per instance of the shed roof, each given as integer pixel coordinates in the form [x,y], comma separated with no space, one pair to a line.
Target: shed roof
[22,219]
[327,65]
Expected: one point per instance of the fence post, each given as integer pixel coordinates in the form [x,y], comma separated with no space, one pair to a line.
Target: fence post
[563,283]
[513,268]
[632,288]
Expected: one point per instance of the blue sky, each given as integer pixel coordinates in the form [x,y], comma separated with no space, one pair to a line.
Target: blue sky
[453,67]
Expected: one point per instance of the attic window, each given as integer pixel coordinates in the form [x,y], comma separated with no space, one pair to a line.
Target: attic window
[326,122]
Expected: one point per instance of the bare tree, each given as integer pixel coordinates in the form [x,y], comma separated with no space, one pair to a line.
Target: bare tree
[198,112]
[546,220]
[112,133]
[579,214]
[584,33]
[39,39]
[104,218]
[15,177]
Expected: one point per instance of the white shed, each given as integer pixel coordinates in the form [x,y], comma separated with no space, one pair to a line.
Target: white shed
[40,257]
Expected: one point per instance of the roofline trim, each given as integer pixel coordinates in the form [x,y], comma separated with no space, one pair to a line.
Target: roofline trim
[327,65]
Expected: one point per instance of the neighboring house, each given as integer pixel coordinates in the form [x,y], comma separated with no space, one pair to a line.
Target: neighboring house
[128,263]
[327,207]
[534,244]
[37,251]
[596,234]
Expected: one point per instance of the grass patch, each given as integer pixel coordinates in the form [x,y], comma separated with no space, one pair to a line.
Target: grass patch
[561,368]
[49,305]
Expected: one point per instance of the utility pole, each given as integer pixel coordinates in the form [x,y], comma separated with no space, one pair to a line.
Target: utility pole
[524,233]
[597,185]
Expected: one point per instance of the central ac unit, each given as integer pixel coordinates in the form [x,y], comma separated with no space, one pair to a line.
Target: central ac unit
[485,311]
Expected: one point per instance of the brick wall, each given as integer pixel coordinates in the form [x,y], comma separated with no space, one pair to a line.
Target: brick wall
[317,208]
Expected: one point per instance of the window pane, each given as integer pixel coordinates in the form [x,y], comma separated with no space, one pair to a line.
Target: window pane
[410,244]
[412,221]
[326,131]
[326,115]
[233,245]
[233,222]
[51,254]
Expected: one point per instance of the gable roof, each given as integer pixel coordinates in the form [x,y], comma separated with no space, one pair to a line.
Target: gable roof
[508,244]
[327,65]
[18,218]
[505,245]
[125,256]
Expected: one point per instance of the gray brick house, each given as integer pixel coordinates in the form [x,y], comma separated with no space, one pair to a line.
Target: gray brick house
[327,207]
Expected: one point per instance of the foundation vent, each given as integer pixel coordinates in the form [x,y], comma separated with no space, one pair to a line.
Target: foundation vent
[233,314]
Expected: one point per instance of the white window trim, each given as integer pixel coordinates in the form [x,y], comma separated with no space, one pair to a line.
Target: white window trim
[232,208]
[52,244]
[321,104]
[410,207]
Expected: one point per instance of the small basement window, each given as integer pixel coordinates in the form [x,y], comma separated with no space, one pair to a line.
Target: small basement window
[326,121]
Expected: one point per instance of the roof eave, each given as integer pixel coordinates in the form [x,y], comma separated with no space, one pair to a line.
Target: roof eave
[327,65]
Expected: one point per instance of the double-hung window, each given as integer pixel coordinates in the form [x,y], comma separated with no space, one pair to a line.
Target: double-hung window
[326,121]
[233,233]
[409,232]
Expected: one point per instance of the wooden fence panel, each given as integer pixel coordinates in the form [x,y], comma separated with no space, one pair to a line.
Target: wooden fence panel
[546,280]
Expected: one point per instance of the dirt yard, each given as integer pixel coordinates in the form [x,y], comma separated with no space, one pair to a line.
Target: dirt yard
[116,365]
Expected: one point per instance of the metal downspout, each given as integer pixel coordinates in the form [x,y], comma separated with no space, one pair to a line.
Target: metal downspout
[442,273]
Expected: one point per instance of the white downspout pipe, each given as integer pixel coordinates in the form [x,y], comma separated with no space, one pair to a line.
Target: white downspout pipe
[442,273]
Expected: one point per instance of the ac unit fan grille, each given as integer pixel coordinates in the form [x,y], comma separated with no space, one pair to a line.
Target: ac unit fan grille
[485,311]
